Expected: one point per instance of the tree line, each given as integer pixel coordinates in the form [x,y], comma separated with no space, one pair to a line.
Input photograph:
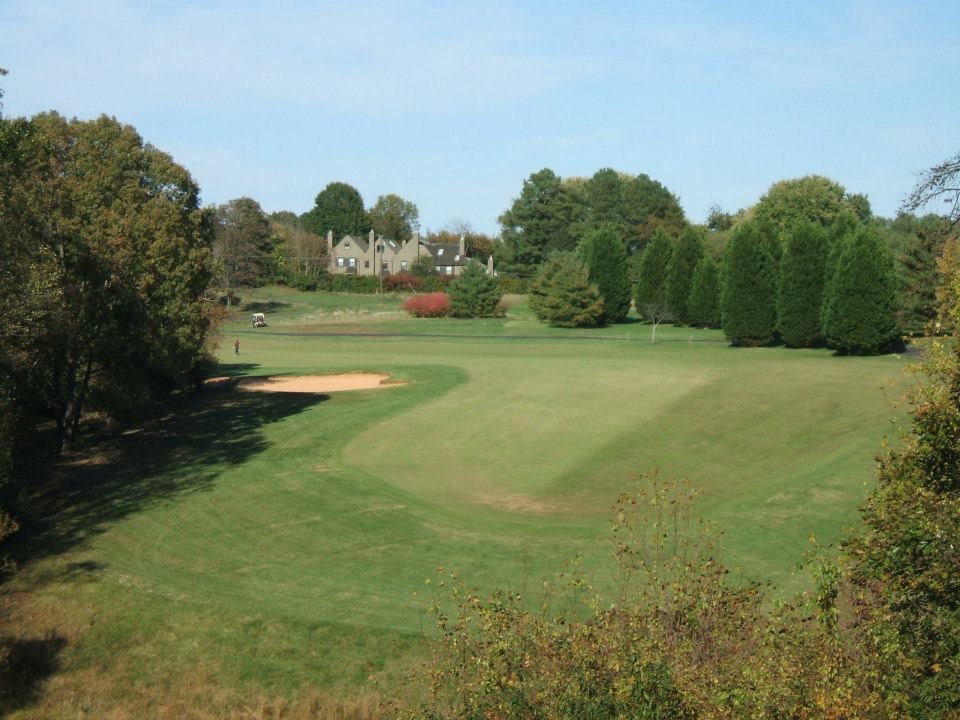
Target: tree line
[808,264]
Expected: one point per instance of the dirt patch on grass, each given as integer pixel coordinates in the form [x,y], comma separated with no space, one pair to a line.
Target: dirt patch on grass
[524,504]
[309,383]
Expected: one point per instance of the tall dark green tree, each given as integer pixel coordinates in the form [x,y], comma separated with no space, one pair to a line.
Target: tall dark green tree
[858,311]
[649,205]
[242,245]
[749,292]
[686,255]
[474,293]
[605,255]
[338,207]
[539,220]
[562,294]
[651,296]
[703,305]
[803,271]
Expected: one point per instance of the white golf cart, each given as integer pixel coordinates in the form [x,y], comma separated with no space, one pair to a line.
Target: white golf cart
[259,320]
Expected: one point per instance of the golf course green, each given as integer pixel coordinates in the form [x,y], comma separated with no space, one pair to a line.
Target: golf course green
[287,538]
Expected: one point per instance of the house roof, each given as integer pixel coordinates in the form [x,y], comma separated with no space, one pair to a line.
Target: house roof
[447,254]
[360,242]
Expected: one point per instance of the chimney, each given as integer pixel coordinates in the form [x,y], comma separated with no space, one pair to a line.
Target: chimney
[462,246]
[490,266]
[373,238]
[329,242]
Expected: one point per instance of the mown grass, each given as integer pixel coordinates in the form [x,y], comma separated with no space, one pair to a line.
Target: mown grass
[269,543]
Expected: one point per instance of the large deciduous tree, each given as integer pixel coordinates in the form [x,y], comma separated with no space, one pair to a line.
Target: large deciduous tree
[941,182]
[337,208]
[814,198]
[749,293]
[112,254]
[686,255]
[393,217]
[605,255]
[858,312]
[803,271]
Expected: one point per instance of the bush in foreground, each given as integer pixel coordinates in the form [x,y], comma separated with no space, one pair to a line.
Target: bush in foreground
[675,638]
[428,305]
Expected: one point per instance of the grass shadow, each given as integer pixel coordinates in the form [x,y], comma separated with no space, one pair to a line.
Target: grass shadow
[265,306]
[29,662]
[64,505]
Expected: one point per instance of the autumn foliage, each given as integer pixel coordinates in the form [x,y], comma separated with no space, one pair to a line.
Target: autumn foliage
[435,304]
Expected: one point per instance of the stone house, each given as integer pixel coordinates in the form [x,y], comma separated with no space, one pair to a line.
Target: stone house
[357,255]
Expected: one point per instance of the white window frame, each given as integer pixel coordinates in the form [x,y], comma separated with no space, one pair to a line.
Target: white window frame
[353,262]
[341,262]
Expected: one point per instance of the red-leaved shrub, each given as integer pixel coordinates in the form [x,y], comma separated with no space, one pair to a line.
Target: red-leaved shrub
[428,305]
[403,281]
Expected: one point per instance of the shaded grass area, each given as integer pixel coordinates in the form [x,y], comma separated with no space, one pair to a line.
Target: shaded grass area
[256,543]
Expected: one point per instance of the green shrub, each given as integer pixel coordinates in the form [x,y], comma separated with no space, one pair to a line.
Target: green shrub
[360,284]
[562,294]
[474,293]
[605,255]
[513,285]
[748,299]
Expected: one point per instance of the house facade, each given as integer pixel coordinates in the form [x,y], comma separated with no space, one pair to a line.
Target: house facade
[370,255]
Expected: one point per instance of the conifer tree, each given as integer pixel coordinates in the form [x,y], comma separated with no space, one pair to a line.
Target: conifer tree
[858,312]
[474,293]
[683,262]
[704,301]
[802,279]
[749,293]
[652,279]
[605,255]
[563,296]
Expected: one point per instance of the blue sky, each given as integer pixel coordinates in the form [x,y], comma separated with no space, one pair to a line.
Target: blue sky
[452,105]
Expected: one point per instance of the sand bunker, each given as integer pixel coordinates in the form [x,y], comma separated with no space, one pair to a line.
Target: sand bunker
[319,383]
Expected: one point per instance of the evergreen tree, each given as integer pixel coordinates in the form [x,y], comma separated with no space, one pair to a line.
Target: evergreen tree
[703,305]
[605,255]
[802,279]
[858,311]
[563,296]
[474,293]
[683,262]
[749,294]
[652,277]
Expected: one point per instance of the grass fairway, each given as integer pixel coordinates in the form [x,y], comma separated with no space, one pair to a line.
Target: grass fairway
[276,540]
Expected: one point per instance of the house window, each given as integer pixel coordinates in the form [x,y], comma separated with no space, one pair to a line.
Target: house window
[346,246]
[366,263]
[403,264]
[353,262]
[340,262]
[439,252]
[384,266]
[448,269]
